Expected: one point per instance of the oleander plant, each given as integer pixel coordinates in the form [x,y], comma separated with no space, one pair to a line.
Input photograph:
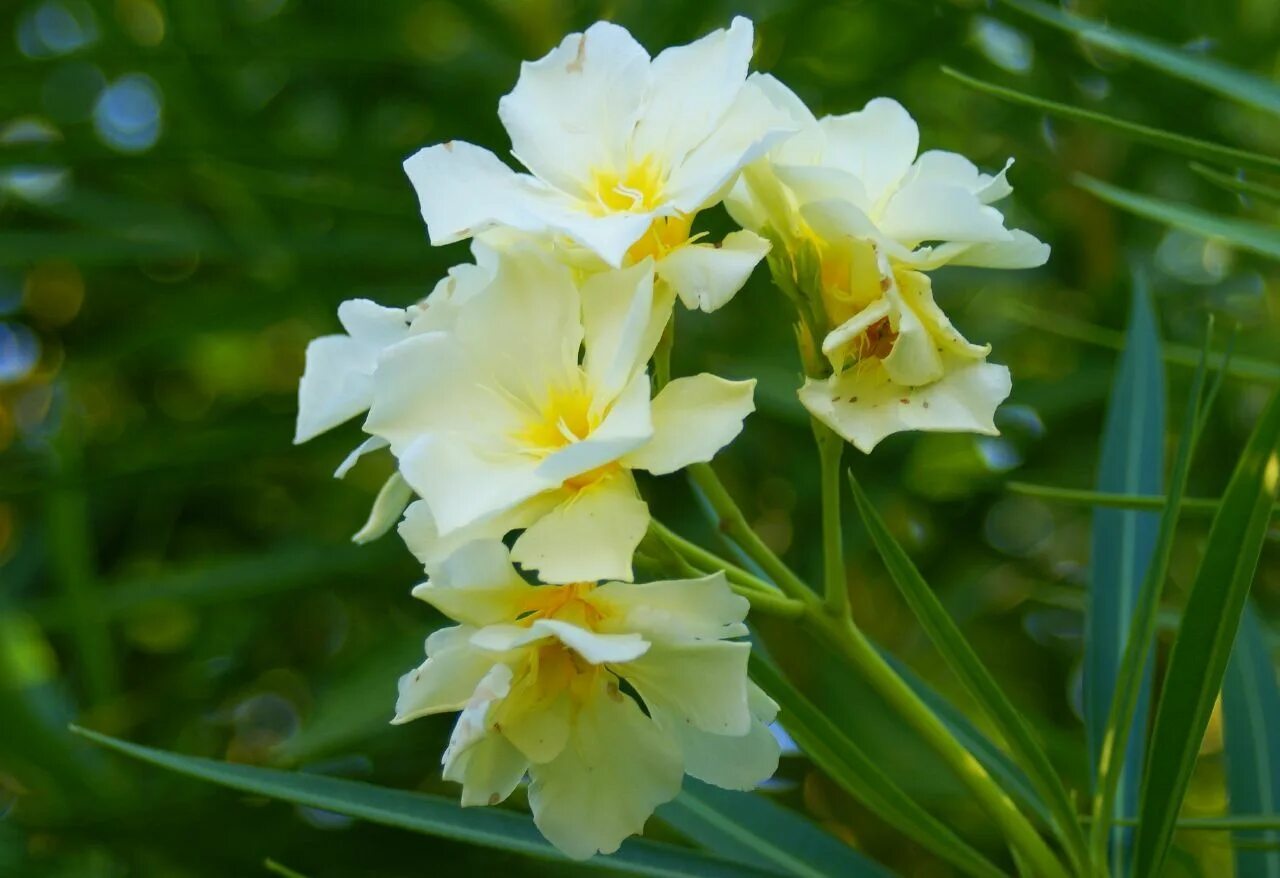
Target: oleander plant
[724,408]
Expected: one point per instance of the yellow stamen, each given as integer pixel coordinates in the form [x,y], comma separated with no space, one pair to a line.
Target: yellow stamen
[636,189]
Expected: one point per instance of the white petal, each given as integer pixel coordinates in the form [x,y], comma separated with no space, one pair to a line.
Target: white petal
[464,484]
[704,682]
[877,145]
[677,609]
[1023,251]
[537,723]
[747,131]
[834,345]
[489,770]
[420,535]
[915,359]
[692,88]
[336,385]
[734,762]
[373,443]
[623,318]
[787,101]
[591,536]
[693,418]
[446,680]
[916,292]
[574,110]
[863,405]
[392,498]
[924,210]
[477,585]
[811,183]
[598,649]
[618,767]
[707,276]
[627,426]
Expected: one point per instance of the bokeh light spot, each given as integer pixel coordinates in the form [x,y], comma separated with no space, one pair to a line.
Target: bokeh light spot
[127,114]
[19,352]
[53,293]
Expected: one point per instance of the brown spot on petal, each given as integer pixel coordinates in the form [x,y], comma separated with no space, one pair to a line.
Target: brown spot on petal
[575,66]
[494,798]
[448,146]
[925,404]
[884,283]
[905,401]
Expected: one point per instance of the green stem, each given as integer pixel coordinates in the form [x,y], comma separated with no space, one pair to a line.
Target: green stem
[835,588]
[734,524]
[1203,506]
[845,637]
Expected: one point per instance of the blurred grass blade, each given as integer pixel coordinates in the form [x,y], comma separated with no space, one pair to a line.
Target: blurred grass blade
[1256,237]
[1236,184]
[431,815]
[1203,644]
[1200,506]
[1251,726]
[749,828]
[1208,73]
[850,767]
[1180,144]
[1066,326]
[1128,562]
[968,668]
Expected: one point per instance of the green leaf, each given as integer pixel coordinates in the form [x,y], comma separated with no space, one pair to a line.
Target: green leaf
[1256,237]
[1208,73]
[429,815]
[1200,652]
[1181,144]
[1131,462]
[1250,720]
[1237,184]
[846,763]
[968,668]
[750,828]
[1199,506]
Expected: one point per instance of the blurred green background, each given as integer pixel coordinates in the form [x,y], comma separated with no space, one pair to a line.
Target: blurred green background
[188,190]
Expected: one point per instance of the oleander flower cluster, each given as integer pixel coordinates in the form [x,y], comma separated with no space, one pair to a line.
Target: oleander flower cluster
[519,398]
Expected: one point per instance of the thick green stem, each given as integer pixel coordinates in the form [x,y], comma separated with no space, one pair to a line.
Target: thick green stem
[1027,843]
[734,525]
[835,589]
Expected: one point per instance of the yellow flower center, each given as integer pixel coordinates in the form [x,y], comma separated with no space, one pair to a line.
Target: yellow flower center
[553,667]
[664,235]
[567,416]
[568,603]
[850,278]
[636,189]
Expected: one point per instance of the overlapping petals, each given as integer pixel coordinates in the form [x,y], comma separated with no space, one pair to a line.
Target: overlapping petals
[605,695]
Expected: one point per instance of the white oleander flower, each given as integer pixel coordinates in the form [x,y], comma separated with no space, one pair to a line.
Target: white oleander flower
[533,409]
[852,191]
[623,152]
[538,673]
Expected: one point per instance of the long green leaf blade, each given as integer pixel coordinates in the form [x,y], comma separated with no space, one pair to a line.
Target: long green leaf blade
[1235,184]
[1180,144]
[1255,237]
[968,668]
[430,815]
[1131,462]
[1201,506]
[1251,725]
[1208,73]
[750,828]
[848,766]
[1203,644]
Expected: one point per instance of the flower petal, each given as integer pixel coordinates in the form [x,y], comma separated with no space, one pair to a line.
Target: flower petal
[477,585]
[864,405]
[623,316]
[734,762]
[598,649]
[693,418]
[423,539]
[877,145]
[925,210]
[448,678]
[391,501]
[834,345]
[617,768]
[916,292]
[591,536]
[706,276]
[489,770]
[691,89]
[703,682]
[627,426]
[574,110]
[677,609]
[373,443]
[1022,251]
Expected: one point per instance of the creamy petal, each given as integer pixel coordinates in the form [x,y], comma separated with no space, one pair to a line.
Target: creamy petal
[672,610]
[574,109]
[916,291]
[477,585]
[373,443]
[733,762]
[391,501]
[598,649]
[703,682]
[617,768]
[835,344]
[591,536]
[863,405]
[706,276]
[693,418]
[924,210]
[446,680]
[422,537]
[627,426]
[489,770]
[623,316]
[877,145]
[1022,251]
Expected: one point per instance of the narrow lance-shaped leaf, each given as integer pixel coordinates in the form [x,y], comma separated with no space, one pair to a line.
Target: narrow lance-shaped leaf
[1200,652]
[1251,728]
[1192,147]
[1131,462]
[430,815]
[859,775]
[1256,237]
[1216,76]
[749,828]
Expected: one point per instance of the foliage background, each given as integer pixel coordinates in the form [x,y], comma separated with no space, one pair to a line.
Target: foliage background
[187,190]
